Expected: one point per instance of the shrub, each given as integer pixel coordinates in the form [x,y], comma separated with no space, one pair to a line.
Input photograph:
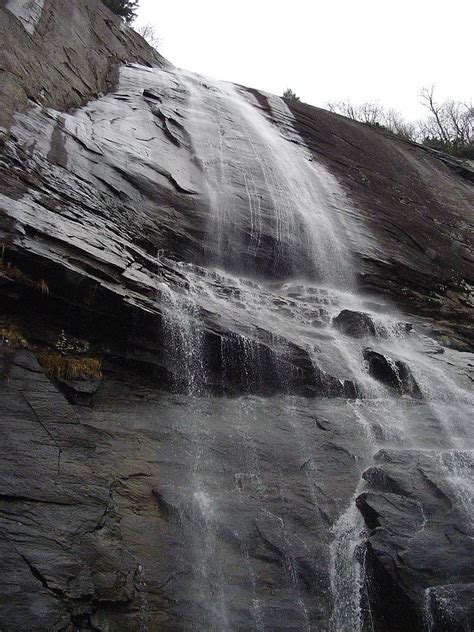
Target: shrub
[125,9]
[466,151]
[289,95]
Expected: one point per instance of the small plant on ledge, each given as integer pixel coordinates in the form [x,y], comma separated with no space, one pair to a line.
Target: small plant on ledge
[11,335]
[289,95]
[68,361]
[14,274]
[66,367]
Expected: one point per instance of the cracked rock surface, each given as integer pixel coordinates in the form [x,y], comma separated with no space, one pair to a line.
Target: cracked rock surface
[63,53]
[98,524]
[278,433]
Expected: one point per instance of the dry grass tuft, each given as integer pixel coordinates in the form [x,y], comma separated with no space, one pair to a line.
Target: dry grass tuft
[65,367]
[11,335]
[13,273]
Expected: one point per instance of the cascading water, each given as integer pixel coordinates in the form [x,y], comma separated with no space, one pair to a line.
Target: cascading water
[270,449]
[277,269]
[288,202]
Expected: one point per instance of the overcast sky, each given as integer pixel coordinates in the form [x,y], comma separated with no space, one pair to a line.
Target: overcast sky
[365,50]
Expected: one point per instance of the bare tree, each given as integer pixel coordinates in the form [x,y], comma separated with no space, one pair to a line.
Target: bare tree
[435,125]
[373,114]
[368,112]
[395,122]
[449,126]
[449,123]
[461,120]
[147,31]
[346,108]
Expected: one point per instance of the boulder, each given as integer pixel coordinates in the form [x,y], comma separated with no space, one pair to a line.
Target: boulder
[418,551]
[395,374]
[355,324]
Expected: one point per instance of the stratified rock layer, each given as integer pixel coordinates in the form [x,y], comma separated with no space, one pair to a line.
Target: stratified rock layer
[418,204]
[100,523]
[152,219]
[62,54]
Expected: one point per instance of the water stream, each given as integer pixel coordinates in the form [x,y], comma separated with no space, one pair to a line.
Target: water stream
[269,201]
[275,414]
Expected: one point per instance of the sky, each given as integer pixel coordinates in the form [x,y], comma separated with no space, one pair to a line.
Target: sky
[324,51]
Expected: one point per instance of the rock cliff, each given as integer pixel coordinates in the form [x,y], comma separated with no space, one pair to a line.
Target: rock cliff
[236,351]
[61,54]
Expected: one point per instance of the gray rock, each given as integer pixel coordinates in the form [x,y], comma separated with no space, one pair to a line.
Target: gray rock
[394,373]
[450,607]
[355,324]
[202,485]
[104,527]
[405,192]
[419,548]
[49,64]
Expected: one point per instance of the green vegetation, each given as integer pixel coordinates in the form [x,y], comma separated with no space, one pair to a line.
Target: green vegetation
[125,9]
[289,95]
[459,150]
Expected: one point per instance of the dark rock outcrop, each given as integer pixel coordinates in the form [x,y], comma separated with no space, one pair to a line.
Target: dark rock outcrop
[355,324]
[57,510]
[187,489]
[361,324]
[419,548]
[394,373]
[100,524]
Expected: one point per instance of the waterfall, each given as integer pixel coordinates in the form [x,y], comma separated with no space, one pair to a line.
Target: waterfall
[288,201]
[277,269]
[271,446]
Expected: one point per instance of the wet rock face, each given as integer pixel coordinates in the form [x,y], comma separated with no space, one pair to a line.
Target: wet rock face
[58,491]
[419,548]
[64,54]
[355,324]
[362,325]
[450,607]
[411,258]
[187,232]
[111,524]
[236,365]
[394,373]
